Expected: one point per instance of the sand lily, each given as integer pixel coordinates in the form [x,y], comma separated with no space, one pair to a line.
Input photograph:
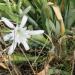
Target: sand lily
[19,34]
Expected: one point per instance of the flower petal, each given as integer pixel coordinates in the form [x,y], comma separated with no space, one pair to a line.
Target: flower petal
[12,48]
[26,34]
[7,22]
[8,37]
[36,32]
[17,39]
[25,44]
[24,20]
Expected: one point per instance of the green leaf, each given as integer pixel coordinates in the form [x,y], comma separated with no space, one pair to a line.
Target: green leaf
[19,4]
[40,38]
[57,29]
[8,14]
[52,26]
[46,10]
[19,57]
[8,3]
[32,21]
[26,10]
[48,28]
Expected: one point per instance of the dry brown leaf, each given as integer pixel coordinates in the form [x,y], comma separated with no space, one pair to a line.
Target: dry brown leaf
[44,71]
[57,12]
[50,3]
[62,27]
[3,60]
[59,17]
[3,66]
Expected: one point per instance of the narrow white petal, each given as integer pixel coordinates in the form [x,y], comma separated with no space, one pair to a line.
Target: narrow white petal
[26,46]
[17,39]
[7,22]
[8,37]
[36,32]
[24,20]
[26,34]
[12,48]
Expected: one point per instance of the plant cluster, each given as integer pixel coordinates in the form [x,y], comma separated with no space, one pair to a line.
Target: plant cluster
[38,31]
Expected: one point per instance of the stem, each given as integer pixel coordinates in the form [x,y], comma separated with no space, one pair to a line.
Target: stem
[40,53]
[27,60]
[13,66]
[73,64]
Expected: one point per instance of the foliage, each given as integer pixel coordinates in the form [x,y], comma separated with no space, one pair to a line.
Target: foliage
[56,18]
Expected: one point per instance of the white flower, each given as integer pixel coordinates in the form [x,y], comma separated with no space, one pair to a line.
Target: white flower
[19,34]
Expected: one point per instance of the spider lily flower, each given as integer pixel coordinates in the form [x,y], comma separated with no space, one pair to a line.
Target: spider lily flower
[19,34]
